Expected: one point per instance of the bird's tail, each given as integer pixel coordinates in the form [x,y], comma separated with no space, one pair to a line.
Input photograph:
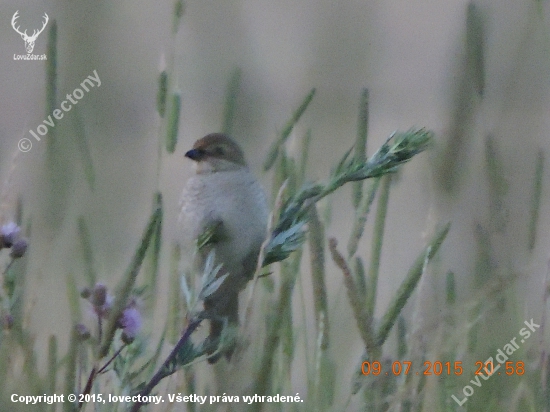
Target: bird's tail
[223,310]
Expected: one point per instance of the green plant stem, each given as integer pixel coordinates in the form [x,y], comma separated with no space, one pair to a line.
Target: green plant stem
[535,202]
[306,140]
[128,281]
[361,215]
[360,153]
[73,297]
[362,316]
[51,78]
[86,242]
[317,262]
[162,93]
[230,107]
[153,255]
[377,241]
[475,47]
[288,235]
[179,10]
[274,149]
[173,121]
[273,337]
[498,186]
[177,306]
[52,365]
[409,284]
[70,374]
[286,332]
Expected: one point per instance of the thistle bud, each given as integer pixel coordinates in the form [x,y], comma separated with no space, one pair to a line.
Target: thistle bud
[85,293]
[9,233]
[101,300]
[82,331]
[19,248]
[7,321]
[99,295]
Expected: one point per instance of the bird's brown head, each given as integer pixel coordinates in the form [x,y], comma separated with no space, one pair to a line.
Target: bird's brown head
[216,152]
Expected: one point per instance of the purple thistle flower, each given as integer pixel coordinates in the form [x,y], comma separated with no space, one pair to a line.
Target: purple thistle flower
[130,322]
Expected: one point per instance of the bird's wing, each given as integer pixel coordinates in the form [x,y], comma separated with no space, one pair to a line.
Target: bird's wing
[250,262]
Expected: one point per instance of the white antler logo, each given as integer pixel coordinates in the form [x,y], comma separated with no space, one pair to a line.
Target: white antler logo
[29,40]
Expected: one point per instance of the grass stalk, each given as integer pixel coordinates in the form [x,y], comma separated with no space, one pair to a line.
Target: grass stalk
[263,376]
[362,316]
[172,127]
[360,153]
[409,284]
[154,253]
[498,186]
[162,93]
[230,106]
[81,138]
[70,370]
[475,47]
[73,296]
[535,200]
[125,287]
[175,299]
[274,149]
[288,337]
[52,367]
[360,220]
[360,277]
[324,367]
[450,288]
[87,251]
[469,88]
[317,262]
[51,76]
[376,245]
[306,141]
[179,11]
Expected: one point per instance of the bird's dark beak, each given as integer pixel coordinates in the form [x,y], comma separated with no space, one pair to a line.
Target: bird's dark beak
[195,154]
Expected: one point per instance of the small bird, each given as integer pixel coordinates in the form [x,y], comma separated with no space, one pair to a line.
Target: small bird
[224,197]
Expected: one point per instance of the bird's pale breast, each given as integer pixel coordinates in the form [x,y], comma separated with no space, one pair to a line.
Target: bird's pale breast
[234,198]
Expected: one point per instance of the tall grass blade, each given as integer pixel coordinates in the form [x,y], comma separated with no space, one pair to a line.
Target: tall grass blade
[376,245]
[52,366]
[360,153]
[317,262]
[230,107]
[162,93]
[409,284]
[274,149]
[81,138]
[125,287]
[172,128]
[535,200]
[154,251]
[87,251]
[51,75]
